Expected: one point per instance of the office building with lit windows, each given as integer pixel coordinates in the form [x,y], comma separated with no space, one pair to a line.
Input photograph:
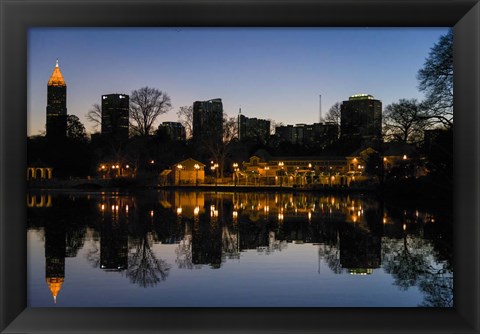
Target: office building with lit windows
[361,118]
[253,128]
[56,106]
[115,114]
[173,130]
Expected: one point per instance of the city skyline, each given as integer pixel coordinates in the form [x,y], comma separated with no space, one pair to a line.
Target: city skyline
[270,73]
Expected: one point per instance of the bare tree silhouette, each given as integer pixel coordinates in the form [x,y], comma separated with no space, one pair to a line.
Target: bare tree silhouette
[144,268]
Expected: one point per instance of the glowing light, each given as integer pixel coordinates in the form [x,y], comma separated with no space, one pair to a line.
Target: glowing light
[404,157]
[196,211]
[151,213]
[404,227]
[179,211]
[103,207]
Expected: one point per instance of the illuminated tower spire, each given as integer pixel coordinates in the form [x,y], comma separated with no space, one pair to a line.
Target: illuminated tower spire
[55,284]
[56,79]
[56,105]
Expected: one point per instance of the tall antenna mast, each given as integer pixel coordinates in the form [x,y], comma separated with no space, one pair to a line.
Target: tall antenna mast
[320,108]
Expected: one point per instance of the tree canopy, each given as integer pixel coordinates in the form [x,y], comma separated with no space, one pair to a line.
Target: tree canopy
[146,104]
[404,121]
[436,81]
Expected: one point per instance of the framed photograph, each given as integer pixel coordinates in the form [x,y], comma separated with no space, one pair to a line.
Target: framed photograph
[239,167]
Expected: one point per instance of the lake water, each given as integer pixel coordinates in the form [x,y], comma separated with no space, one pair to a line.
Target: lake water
[248,249]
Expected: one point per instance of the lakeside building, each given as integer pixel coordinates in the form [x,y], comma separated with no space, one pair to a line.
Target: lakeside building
[208,121]
[361,118]
[189,171]
[115,117]
[56,106]
[173,130]
[253,128]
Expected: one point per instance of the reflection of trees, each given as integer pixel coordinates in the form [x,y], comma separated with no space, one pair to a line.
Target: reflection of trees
[144,268]
[331,255]
[75,240]
[93,251]
[411,263]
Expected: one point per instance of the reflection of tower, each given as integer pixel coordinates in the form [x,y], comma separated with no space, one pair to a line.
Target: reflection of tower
[360,251]
[55,247]
[207,240]
[114,238]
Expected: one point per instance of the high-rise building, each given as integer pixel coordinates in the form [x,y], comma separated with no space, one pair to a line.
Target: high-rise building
[361,118]
[316,133]
[173,130]
[56,105]
[253,128]
[115,114]
[208,121]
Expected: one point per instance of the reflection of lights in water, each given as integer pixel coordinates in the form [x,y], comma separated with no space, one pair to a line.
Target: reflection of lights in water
[116,207]
[103,207]
[235,214]
[126,208]
[266,208]
[309,215]
[196,211]
[179,211]
[113,207]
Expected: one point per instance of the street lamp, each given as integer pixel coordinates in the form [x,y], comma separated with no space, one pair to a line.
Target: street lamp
[267,168]
[281,164]
[235,169]
[179,166]
[197,167]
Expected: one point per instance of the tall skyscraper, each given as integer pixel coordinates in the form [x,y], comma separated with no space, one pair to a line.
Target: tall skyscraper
[56,105]
[361,118]
[115,114]
[208,121]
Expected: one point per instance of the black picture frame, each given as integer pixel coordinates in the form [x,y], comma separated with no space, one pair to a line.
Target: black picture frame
[16,18]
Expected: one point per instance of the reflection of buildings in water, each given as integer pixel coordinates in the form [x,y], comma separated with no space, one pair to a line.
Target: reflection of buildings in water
[55,248]
[360,251]
[273,244]
[39,200]
[113,233]
[207,238]
[188,203]
[285,207]
[230,243]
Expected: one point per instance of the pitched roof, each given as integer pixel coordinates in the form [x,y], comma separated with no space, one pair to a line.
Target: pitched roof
[56,78]
[190,163]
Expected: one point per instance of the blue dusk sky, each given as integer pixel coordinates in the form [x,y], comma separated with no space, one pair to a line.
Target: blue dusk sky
[270,73]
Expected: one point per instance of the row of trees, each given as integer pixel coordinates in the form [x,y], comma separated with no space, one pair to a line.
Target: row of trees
[406,120]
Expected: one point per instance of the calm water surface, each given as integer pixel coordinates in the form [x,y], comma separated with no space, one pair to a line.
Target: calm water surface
[173,248]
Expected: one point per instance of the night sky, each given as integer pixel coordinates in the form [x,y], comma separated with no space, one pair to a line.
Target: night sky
[270,73]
